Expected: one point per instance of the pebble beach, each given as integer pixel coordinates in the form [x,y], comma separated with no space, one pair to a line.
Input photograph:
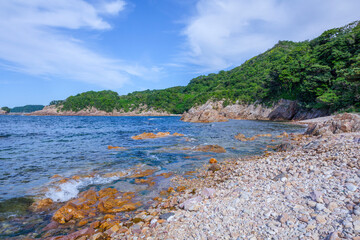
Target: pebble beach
[308,191]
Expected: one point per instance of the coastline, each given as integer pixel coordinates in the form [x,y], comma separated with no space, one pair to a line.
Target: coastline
[55,111]
[307,189]
[254,197]
[310,191]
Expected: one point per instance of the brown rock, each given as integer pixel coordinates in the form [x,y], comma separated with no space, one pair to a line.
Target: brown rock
[210,148]
[116,148]
[212,160]
[146,135]
[178,134]
[67,213]
[41,205]
[82,222]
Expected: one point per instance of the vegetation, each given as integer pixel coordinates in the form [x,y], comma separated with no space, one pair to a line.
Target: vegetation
[321,73]
[6,109]
[27,109]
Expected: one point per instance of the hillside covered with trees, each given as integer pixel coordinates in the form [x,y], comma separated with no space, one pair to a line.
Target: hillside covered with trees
[322,73]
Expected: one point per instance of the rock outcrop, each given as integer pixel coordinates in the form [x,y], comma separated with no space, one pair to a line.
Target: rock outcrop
[283,110]
[53,110]
[340,123]
[2,112]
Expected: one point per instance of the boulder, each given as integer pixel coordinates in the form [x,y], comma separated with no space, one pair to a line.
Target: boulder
[340,123]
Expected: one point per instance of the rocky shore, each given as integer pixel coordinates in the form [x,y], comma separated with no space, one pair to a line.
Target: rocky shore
[283,110]
[53,110]
[307,188]
[310,191]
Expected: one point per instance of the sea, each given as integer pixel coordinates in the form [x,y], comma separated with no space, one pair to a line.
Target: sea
[35,148]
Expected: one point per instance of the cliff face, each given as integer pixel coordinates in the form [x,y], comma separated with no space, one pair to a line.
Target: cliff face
[2,112]
[283,110]
[52,110]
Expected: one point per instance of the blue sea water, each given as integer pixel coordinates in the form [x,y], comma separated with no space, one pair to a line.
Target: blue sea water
[34,148]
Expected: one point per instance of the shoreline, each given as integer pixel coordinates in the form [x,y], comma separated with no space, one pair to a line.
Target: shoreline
[190,201]
[305,193]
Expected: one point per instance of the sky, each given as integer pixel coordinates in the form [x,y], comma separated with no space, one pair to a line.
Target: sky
[50,50]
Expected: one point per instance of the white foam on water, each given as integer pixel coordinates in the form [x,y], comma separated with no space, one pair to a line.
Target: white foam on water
[66,191]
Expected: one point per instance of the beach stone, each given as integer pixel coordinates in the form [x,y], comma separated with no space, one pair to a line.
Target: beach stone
[191,204]
[283,218]
[334,236]
[332,206]
[357,225]
[316,196]
[320,207]
[321,219]
[311,203]
[214,167]
[208,192]
[212,160]
[166,216]
[351,187]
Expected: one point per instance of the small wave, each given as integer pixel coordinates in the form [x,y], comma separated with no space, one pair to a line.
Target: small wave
[68,190]
[4,135]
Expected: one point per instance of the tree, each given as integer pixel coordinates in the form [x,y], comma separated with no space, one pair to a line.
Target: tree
[6,109]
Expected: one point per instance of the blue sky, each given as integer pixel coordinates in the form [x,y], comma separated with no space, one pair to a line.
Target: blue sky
[50,50]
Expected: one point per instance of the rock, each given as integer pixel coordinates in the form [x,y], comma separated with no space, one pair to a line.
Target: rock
[214,167]
[98,236]
[332,206]
[146,135]
[208,192]
[87,232]
[357,226]
[178,134]
[346,122]
[67,213]
[351,187]
[241,137]
[284,147]
[116,148]
[212,160]
[282,110]
[316,196]
[191,204]
[166,216]
[321,219]
[279,177]
[284,218]
[333,236]
[320,206]
[41,205]
[209,148]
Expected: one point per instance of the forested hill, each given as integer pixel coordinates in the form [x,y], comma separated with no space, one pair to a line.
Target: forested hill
[321,73]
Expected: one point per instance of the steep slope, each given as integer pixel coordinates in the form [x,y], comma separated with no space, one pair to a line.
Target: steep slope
[323,74]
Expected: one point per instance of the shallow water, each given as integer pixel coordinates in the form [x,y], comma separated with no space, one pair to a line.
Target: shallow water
[32,149]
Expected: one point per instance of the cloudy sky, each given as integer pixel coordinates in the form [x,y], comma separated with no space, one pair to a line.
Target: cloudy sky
[50,50]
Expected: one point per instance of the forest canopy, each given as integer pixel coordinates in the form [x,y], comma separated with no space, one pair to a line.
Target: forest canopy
[321,73]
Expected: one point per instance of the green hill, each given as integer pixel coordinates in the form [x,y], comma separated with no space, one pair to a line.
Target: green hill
[26,109]
[321,73]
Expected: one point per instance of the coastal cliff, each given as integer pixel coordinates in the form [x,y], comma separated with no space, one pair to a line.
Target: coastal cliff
[282,110]
[2,112]
[53,110]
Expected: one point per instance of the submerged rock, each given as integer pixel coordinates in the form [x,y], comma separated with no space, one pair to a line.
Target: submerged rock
[90,203]
[41,205]
[208,148]
[146,135]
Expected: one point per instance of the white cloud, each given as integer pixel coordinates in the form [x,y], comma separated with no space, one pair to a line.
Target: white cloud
[224,33]
[33,41]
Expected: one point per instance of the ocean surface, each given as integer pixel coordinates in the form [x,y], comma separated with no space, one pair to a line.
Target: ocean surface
[34,148]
